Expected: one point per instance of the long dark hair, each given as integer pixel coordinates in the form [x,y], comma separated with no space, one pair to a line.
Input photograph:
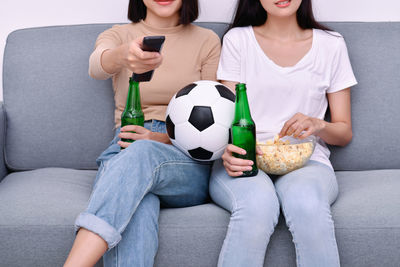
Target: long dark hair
[188,13]
[252,13]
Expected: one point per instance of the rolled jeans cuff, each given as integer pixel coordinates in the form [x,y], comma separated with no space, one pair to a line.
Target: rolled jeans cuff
[98,226]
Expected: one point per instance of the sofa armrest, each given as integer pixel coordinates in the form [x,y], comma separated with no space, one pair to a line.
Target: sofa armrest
[3,168]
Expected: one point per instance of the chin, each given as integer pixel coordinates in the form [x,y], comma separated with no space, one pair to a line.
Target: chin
[282,13]
[165,14]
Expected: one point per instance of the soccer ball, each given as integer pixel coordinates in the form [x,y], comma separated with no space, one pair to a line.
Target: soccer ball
[198,119]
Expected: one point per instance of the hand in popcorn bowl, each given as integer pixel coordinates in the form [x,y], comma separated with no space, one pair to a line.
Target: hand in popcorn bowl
[283,155]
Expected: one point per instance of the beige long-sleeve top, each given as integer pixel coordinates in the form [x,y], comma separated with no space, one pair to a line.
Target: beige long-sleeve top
[190,53]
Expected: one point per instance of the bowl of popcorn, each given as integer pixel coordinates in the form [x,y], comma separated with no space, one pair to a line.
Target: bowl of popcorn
[283,155]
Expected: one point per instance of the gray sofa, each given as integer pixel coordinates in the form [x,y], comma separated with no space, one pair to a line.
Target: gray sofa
[55,121]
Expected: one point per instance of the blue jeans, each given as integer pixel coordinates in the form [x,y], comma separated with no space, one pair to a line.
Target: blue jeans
[124,205]
[305,196]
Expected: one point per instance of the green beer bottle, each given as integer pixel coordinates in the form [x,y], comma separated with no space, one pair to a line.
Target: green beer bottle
[244,129]
[133,114]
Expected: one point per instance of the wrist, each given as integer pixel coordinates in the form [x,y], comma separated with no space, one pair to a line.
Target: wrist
[166,139]
[321,126]
[160,137]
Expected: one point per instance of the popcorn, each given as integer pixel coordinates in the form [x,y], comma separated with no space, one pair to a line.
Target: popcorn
[280,157]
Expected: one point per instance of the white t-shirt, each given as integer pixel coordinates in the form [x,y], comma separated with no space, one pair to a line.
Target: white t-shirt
[276,93]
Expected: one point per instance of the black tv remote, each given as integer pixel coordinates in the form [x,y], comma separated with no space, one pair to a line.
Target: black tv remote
[150,44]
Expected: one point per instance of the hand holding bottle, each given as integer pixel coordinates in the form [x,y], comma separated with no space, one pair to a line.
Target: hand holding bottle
[136,132]
[234,166]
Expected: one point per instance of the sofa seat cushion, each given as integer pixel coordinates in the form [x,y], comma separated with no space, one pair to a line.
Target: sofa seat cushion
[366,215]
[368,200]
[367,222]
[38,209]
[191,236]
[50,196]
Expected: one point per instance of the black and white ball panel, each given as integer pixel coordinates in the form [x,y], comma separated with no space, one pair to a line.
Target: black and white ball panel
[223,112]
[188,135]
[225,92]
[214,138]
[170,127]
[200,154]
[183,113]
[203,93]
[201,117]
[186,90]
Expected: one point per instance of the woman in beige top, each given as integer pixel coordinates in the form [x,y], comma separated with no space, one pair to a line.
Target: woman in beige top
[122,214]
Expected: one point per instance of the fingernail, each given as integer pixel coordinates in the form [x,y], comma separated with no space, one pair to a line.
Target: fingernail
[251,163]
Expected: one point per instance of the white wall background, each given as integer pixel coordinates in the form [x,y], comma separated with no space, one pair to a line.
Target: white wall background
[16,14]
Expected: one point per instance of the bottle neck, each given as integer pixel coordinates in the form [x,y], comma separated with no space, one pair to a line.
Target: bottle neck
[133,99]
[242,110]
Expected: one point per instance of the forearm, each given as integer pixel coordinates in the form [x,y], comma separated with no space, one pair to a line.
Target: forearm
[335,133]
[111,60]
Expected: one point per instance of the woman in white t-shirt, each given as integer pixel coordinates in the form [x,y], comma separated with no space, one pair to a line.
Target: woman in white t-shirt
[293,68]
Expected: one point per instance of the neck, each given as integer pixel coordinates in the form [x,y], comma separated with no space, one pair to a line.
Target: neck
[281,28]
[160,22]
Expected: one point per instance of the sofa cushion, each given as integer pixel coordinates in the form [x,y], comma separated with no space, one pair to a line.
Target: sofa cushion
[191,236]
[366,215]
[38,209]
[218,27]
[57,116]
[55,110]
[374,52]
